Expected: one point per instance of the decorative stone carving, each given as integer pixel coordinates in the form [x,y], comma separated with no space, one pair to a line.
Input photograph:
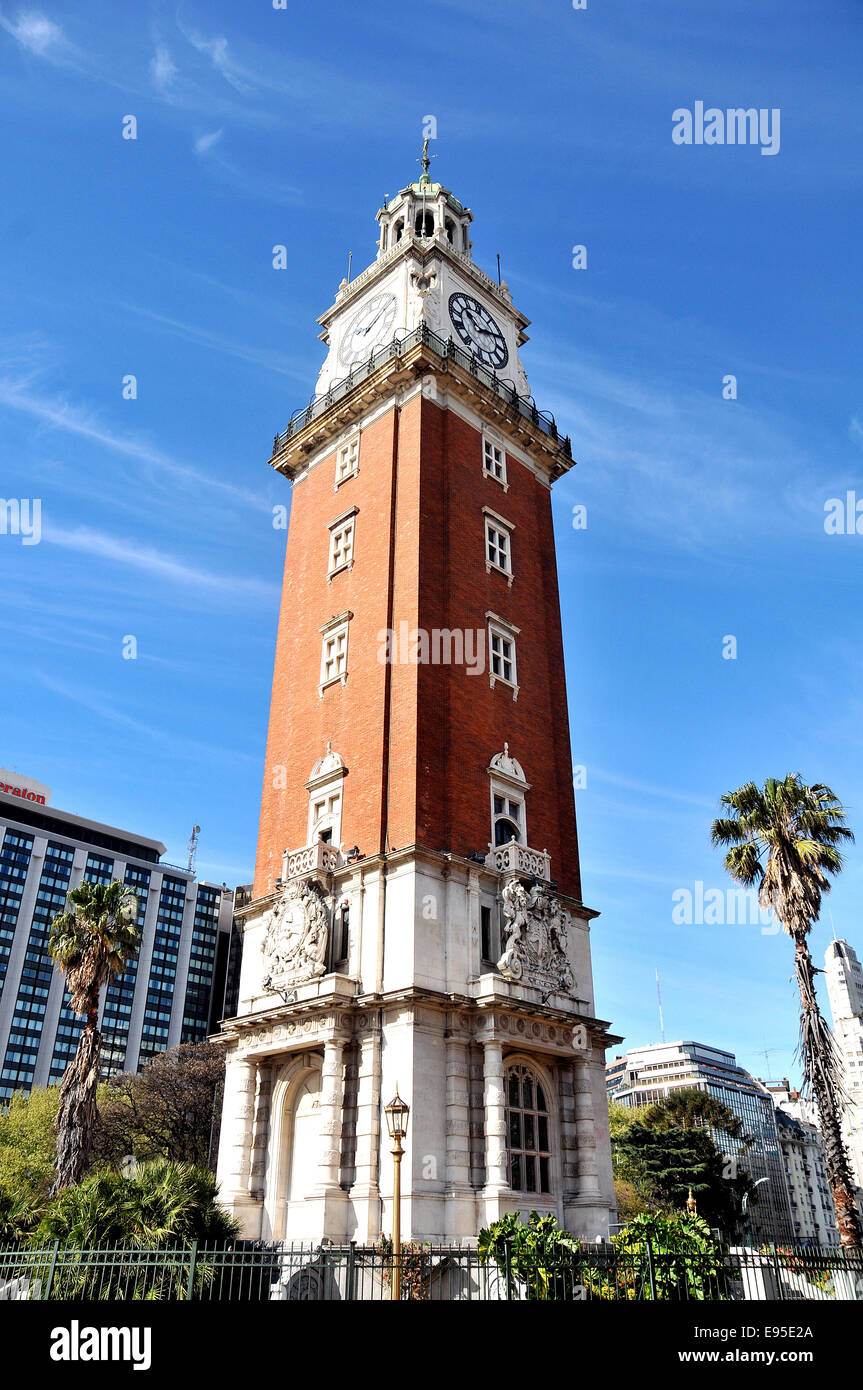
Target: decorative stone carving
[535,926]
[295,946]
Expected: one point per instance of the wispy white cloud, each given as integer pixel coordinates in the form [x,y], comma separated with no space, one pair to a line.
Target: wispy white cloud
[206,142]
[179,745]
[39,35]
[18,395]
[650,789]
[130,555]
[219,53]
[163,69]
[259,357]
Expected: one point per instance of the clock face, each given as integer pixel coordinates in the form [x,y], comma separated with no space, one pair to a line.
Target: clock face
[476,327]
[367,329]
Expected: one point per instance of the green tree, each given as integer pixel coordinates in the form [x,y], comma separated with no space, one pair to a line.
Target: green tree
[27,1143]
[170,1109]
[91,943]
[784,839]
[671,1162]
[689,1108]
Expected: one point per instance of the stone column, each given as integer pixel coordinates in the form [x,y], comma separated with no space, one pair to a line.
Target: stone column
[457,1114]
[365,1193]
[261,1132]
[494,1103]
[332,1094]
[235,1143]
[459,1193]
[585,1129]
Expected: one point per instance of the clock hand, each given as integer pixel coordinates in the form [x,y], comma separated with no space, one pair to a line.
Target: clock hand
[373,322]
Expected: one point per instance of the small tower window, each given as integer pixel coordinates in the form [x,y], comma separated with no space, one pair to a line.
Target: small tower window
[501,652]
[334,652]
[508,816]
[498,548]
[493,460]
[424,224]
[348,459]
[325,799]
[342,543]
[450,230]
[399,230]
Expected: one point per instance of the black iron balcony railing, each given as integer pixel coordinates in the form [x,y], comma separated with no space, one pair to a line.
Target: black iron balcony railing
[446,348]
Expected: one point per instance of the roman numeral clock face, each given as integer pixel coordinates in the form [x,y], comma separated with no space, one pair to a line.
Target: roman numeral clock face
[476,327]
[367,329]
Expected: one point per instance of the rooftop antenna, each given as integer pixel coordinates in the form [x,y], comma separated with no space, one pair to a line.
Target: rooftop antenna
[659,1001]
[498,268]
[193,848]
[765,1053]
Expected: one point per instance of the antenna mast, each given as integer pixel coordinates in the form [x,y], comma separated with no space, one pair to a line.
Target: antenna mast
[193,848]
[659,1001]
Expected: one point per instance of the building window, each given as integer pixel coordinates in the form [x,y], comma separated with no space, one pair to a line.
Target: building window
[498,544]
[494,461]
[485,933]
[501,653]
[348,459]
[508,806]
[342,935]
[324,814]
[342,543]
[334,651]
[508,818]
[527,1125]
[325,798]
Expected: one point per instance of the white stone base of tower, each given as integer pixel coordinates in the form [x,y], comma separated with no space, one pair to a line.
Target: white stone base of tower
[503,1081]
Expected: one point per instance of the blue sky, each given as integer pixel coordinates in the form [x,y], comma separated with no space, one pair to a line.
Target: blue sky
[705,516]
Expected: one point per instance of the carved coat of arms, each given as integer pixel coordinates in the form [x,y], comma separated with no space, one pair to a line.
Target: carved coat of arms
[295,946]
[535,928]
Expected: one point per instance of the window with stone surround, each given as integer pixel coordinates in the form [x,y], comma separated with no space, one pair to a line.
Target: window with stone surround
[494,461]
[334,651]
[501,653]
[528,1131]
[498,544]
[348,459]
[342,532]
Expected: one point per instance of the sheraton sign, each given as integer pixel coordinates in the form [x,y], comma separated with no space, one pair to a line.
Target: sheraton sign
[24,787]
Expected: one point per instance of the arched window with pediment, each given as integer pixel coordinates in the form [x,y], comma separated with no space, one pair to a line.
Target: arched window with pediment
[528,1127]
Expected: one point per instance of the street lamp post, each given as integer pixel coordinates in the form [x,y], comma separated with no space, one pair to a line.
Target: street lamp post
[397,1113]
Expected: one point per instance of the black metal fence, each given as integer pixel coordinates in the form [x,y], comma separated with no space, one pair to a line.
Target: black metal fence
[245,1272]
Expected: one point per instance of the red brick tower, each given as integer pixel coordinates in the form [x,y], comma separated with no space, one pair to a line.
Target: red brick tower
[417,909]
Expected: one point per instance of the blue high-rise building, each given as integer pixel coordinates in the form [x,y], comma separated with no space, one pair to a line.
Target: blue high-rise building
[172,992]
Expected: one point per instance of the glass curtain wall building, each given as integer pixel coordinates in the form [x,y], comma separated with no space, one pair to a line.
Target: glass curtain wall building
[172,992]
[647,1074]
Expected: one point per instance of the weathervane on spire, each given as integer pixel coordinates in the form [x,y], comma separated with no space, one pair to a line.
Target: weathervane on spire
[425,160]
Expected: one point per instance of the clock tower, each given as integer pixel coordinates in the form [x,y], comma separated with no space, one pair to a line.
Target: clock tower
[417,920]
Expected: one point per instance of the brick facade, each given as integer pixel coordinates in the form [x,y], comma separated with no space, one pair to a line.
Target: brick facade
[417,739]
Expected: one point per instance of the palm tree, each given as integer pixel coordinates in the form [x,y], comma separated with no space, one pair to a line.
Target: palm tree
[90,942]
[784,839]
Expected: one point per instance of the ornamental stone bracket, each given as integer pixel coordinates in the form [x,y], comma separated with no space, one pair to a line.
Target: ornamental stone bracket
[295,945]
[535,929]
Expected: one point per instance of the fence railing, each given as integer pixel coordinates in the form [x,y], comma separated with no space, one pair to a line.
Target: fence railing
[446,348]
[246,1272]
